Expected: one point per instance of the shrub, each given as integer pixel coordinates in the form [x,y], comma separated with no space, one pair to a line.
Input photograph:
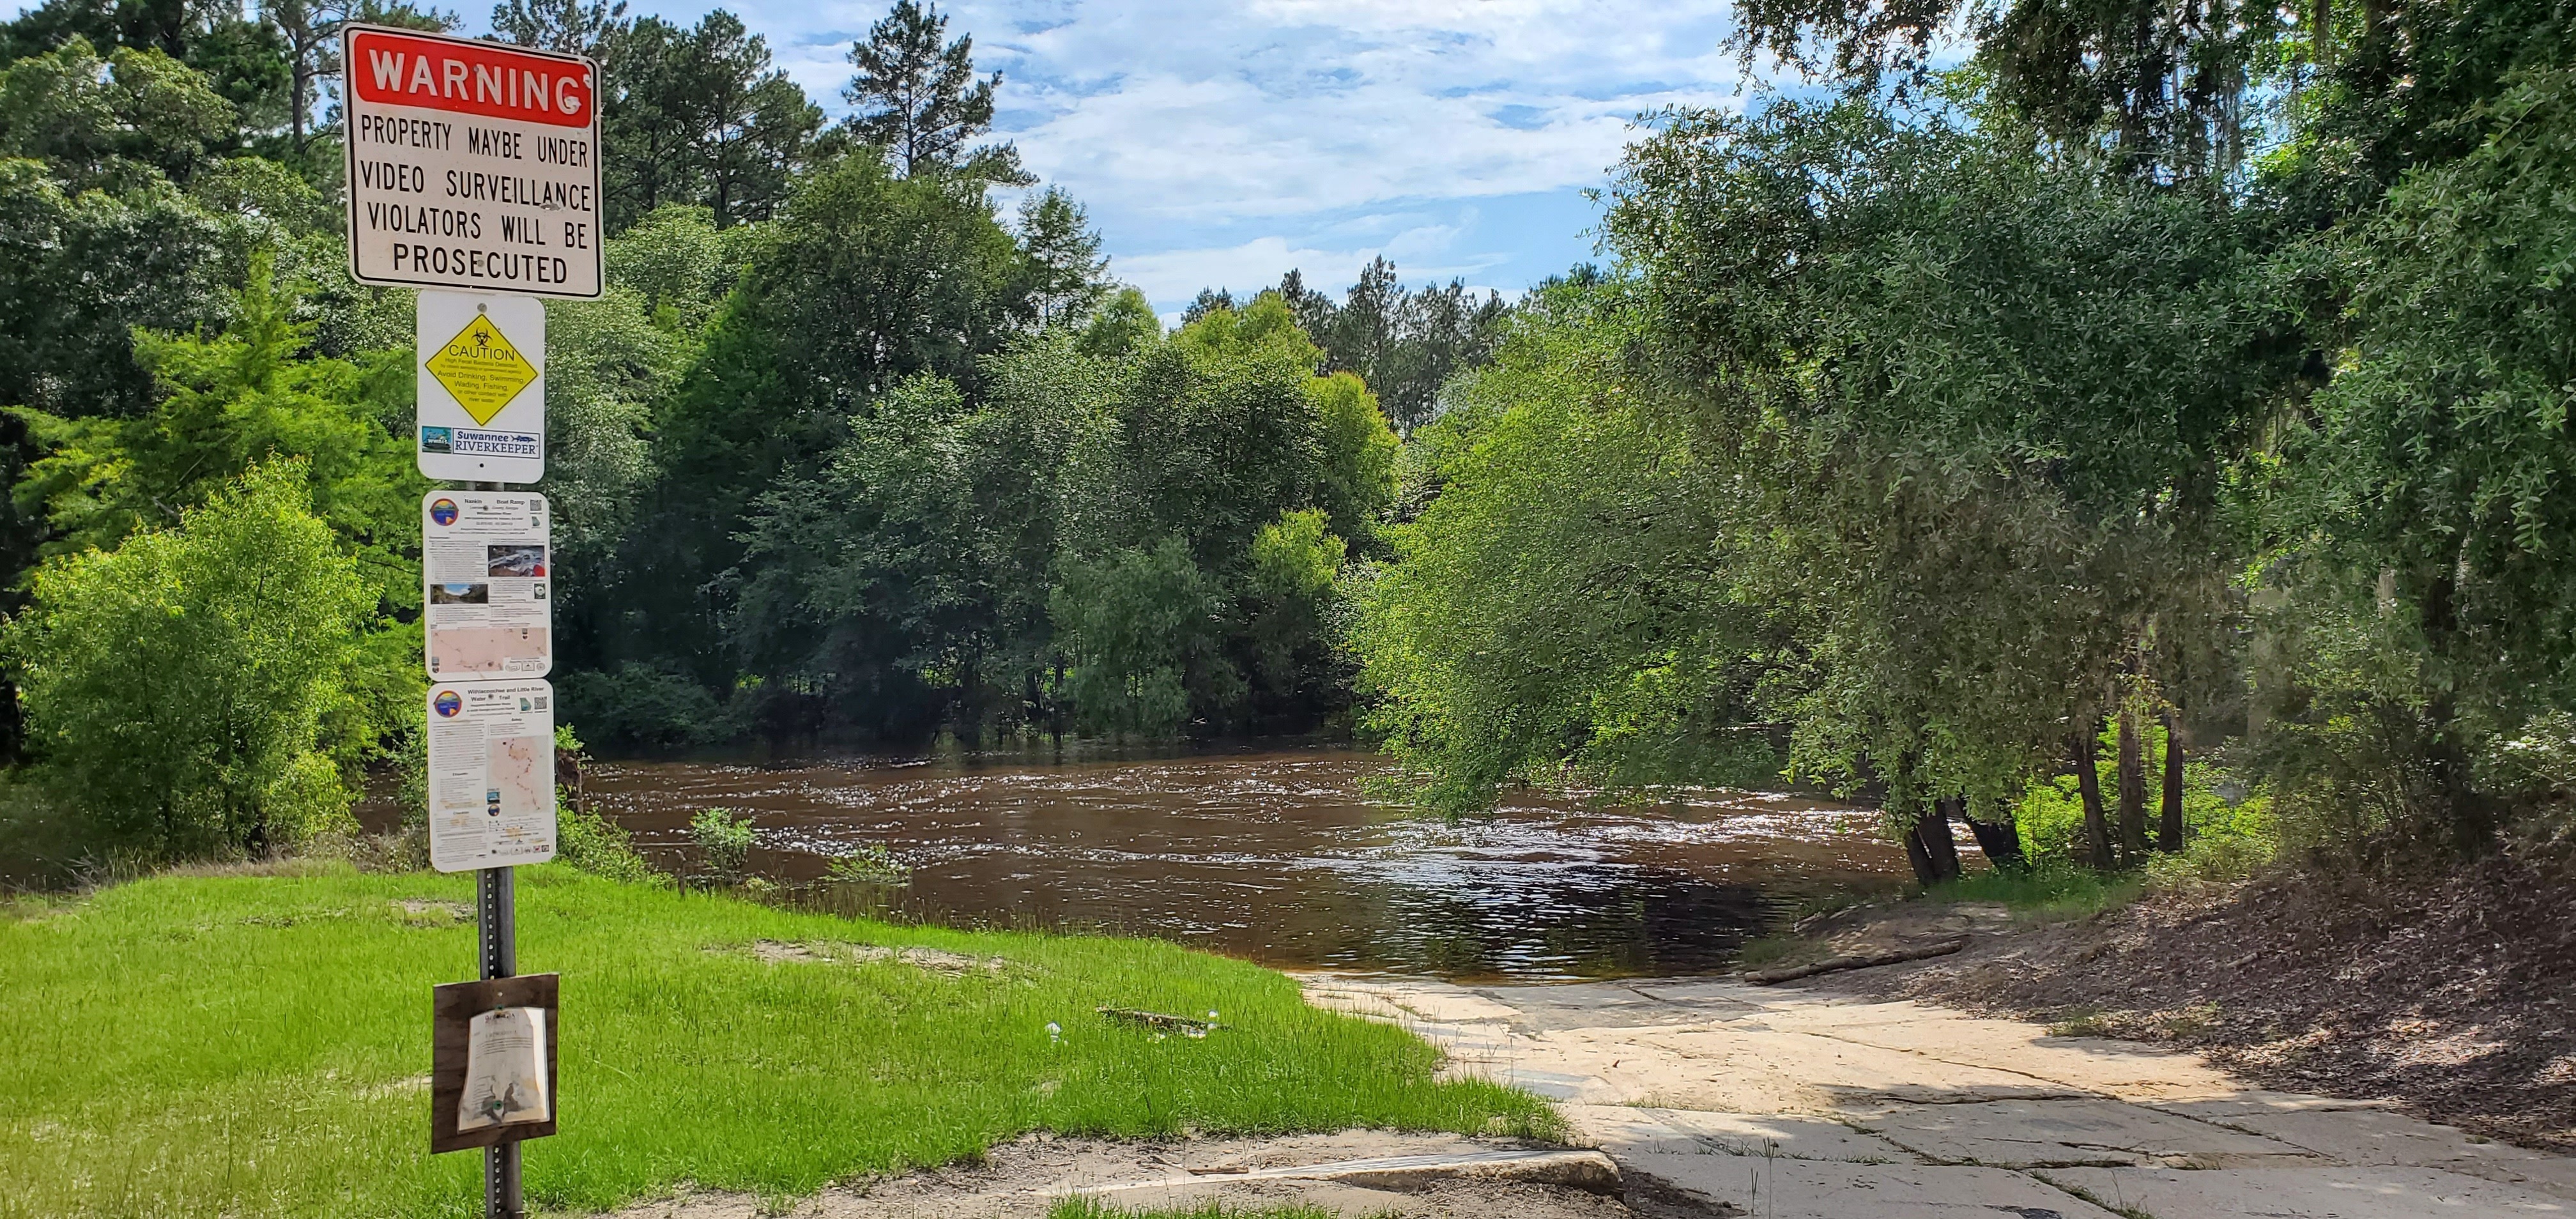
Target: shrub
[178,688]
[869,865]
[725,840]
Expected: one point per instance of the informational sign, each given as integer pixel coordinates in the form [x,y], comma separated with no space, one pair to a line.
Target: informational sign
[491,774]
[472,164]
[494,1059]
[487,576]
[479,378]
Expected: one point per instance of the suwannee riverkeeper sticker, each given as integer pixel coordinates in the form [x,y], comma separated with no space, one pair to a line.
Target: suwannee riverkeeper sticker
[472,165]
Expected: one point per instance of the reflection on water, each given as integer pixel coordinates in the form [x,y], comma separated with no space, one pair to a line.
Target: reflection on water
[1277,857]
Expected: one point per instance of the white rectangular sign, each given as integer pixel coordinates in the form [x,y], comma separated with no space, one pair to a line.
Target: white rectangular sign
[479,378]
[472,164]
[487,583]
[491,774]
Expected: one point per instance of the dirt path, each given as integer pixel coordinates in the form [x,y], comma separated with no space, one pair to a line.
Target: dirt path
[1813,1104]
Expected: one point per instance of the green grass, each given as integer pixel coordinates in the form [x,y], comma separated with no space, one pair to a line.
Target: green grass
[2047,891]
[259,1045]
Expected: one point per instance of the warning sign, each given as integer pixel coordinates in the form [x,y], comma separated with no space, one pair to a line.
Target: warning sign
[480,369]
[471,164]
[481,386]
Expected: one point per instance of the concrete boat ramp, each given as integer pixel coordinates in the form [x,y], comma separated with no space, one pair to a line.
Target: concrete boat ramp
[1802,1104]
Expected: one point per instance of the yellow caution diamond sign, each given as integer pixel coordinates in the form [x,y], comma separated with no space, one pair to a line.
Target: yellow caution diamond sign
[481,369]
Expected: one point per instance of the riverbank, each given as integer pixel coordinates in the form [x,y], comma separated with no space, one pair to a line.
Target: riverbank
[2452,994]
[248,1043]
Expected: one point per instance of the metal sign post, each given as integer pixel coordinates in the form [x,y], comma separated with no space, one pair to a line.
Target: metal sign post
[474,173]
[495,919]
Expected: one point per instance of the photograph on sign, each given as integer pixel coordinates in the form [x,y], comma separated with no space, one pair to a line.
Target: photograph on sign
[487,576]
[480,379]
[491,774]
[471,164]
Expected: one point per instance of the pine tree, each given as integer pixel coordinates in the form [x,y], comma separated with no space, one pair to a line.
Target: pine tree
[921,101]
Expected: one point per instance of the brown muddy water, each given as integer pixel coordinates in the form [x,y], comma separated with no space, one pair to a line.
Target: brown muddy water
[1278,857]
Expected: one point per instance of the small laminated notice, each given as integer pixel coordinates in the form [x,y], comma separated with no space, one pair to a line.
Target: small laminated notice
[491,774]
[487,577]
[505,1070]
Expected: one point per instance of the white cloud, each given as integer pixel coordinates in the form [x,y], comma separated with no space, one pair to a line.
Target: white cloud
[1214,138]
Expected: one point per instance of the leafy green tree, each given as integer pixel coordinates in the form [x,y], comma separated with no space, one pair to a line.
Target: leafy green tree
[2428,483]
[701,116]
[231,403]
[1140,625]
[183,685]
[1124,326]
[919,99]
[241,58]
[1406,345]
[79,271]
[572,27]
[114,123]
[1568,600]
[1357,476]
[866,281]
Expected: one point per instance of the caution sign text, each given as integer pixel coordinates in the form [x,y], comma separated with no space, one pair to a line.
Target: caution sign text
[480,369]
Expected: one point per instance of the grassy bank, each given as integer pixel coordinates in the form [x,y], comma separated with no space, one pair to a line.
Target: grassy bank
[259,1045]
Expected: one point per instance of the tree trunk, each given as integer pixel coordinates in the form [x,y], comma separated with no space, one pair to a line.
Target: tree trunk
[1939,838]
[2088,781]
[2133,790]
[2169,823]
[1999,840]
[1920,858]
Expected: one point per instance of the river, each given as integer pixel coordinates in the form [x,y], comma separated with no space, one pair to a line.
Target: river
[1278,857]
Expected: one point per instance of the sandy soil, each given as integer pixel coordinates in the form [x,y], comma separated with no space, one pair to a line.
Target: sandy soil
[1020,1180]
[2448,994]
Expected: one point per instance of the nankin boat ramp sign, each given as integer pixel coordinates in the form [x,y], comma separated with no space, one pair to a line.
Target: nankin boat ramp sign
[473,166]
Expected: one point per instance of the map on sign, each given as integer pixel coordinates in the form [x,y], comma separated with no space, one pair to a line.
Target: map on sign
[491,774]
[480,369]
[481,386]
[487,581]
[471,165]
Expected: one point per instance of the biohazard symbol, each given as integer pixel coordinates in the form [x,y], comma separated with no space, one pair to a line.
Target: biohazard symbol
[480,369]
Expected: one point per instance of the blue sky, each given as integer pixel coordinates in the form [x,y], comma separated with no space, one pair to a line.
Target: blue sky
[1221,142]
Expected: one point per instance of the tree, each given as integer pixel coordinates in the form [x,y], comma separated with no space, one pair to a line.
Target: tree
[114,124]
[239,58]
[867,280]
[572,27]
[231,403]
[1406,345]
[186,685]
[918,98]
[1063,257]
[700,116]
[2420,503]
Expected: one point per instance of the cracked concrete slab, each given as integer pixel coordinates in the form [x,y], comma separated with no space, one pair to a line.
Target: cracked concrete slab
[1803,1189]
[2070,1133]
[1677,1072]
[1623,1129]
[2330,1192]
